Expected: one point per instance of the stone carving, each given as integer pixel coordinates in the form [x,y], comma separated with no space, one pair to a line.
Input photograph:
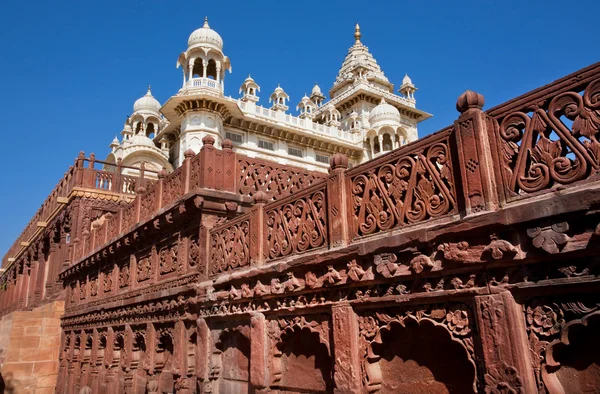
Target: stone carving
[549,238]
[404,190]
[499,249]
[277,182]
[297,226]
[168,259]
[144,269]
[538,148]
[229,247]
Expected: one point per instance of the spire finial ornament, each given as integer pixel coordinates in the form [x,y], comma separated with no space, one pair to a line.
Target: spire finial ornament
[206,23]
[357,34]
[149,92]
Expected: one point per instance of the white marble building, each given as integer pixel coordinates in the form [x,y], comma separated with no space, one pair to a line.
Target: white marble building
[363,117]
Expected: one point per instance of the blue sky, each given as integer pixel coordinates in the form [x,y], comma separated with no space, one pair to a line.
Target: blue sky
[71,70]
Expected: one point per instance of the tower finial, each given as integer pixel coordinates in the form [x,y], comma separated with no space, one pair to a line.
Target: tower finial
[206,22]
[149,92]
[357,34]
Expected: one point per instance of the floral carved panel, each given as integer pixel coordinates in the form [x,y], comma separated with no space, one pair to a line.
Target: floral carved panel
[552,142]
[406,188]
[229,247]
[277,182]
[297,226]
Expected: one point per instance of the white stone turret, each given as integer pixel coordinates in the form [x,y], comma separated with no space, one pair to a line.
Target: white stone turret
[306,108]
[204,63]
[249,88]
[137,146]
[331,116]
[407,88]
[317,96]
[279,98]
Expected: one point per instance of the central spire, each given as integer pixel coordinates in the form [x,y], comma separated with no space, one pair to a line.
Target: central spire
[206,26]
[357,34]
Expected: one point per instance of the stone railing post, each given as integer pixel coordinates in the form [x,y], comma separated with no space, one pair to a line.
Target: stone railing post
[258,230]
[90,173]
[474,153]
[506,353]
[337,200]
[79,170]
[158,195]
[141,189]
[186,170]
[229,170]
[117,184]
[207,163]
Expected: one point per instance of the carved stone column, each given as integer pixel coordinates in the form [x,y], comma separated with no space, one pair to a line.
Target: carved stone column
[259,351]
[475,157]
[505,347]
[337,200]
[202,351]
[347,374]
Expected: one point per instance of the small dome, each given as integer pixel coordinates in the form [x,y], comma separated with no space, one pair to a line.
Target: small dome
[249,79]
[115,141]
[141,139]
[316,89]
[205,36]
[384,112]
[147,103]
[278,89]
[406,80]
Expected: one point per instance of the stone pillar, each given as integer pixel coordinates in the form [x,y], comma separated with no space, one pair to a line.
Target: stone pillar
[347,374]
[474,153]
[259,352]
[337,201]
[202,350]
[258,229]
[40,283]
[506,353]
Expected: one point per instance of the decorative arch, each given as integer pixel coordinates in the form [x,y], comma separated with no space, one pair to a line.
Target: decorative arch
[303,348]
[573,359]
[231,359]
[430,350]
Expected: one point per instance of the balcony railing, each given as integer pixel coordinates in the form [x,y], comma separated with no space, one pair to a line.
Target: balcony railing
[203,83]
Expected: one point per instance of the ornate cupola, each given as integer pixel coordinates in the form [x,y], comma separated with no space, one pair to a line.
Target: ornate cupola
[249,88]
[407,88]
[331,116]
[279,98]
[204,63]
[317,96]
[306,108]
[137,146]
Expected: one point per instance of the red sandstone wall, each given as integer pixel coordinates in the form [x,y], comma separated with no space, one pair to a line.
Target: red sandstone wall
[29,346]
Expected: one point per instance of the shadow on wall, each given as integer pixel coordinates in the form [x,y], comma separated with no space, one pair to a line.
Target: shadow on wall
[6,384]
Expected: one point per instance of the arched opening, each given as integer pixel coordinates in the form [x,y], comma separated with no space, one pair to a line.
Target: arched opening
[280,100]
[101,348]
[575,359]
[164,352]
[198,70]
[211,69]
[421,357]
[119,345]
[376,147]
[305,363]
[150,130]
[235,363]
[387,143]
[138,127]
[251,91]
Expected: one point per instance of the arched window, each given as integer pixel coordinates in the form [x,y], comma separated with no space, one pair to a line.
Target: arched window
[198,71]
[211,69]
[150,130]
[387,143]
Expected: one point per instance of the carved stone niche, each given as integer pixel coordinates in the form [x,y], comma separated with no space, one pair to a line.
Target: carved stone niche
[426,350]
[565,344]
[230,360]
[300,354]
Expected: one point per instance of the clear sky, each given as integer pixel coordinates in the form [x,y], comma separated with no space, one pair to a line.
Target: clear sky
[71,70]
